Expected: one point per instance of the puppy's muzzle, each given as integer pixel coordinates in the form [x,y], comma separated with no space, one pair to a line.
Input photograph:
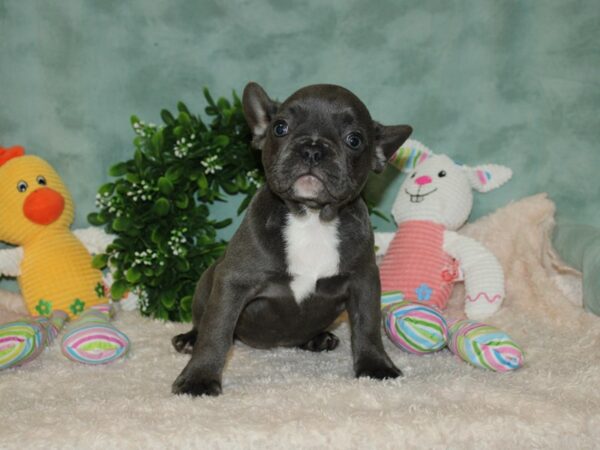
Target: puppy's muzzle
[313,151]
[312,155]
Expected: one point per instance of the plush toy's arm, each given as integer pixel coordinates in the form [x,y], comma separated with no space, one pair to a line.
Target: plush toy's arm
[484,278]
[10,261]
[382,242]
[95,239]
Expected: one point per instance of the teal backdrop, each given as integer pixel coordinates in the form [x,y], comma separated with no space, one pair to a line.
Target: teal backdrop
[510,82]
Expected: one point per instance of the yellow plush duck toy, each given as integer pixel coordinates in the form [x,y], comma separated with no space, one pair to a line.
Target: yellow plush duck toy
[56,275]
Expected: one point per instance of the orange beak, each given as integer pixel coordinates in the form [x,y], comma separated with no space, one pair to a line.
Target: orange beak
[43,206]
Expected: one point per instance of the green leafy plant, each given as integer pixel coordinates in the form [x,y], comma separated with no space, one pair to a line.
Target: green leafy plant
[157,205]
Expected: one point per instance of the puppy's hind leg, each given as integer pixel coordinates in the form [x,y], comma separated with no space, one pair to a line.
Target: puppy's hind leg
[322,342]
[184,343]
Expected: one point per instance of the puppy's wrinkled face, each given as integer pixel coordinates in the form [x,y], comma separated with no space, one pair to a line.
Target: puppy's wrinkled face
[320,144]
[319,147]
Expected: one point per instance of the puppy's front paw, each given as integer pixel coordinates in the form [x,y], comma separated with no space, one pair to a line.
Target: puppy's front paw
[196,386]
[377,370]
[184,343]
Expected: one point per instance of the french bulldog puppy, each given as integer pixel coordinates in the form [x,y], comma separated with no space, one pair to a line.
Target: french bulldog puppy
[304,251]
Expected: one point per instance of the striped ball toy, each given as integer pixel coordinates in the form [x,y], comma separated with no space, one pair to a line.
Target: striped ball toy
[93,340]
[21,342]
[416,328]
[484,346]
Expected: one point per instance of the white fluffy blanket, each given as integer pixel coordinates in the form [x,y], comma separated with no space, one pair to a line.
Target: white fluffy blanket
[287,398]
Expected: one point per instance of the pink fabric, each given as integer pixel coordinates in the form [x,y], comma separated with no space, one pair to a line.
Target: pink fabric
[423,180]
[417,265]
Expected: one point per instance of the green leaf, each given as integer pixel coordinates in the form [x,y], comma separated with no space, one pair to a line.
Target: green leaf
[211,111]
[122,187]
[118,289]
[179,131]
[184,119]
[132,177]
[96,219]
[182,107]
[202,183]
[241,181]
[161,207]
[167,299]
[185,316]
[230,188]
[133,275]
[106,189]
[244,204]
[186,303]
[155,235]
[236,100]
[138,157]
[100,261]
[162,245]
[174,173]
[223,104]
[221,141]
[222,224]
[380,214]
[157,140]
[121,224]
[182,264]
[117,244]
[208,97]
[118,170]
[161,314]
[182,201]
[138,142]
[167,117]
[165,186]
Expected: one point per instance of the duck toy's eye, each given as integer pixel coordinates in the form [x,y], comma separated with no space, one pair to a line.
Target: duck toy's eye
[41,180]
[442,173]
[22,186]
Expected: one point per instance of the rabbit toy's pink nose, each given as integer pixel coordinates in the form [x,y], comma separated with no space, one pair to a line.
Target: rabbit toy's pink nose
[421,181]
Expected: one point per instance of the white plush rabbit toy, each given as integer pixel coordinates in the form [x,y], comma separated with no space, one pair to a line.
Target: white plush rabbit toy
[426,256]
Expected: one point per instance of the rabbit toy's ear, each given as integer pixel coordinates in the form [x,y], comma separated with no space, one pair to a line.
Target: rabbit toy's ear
[488,176]
[410,155]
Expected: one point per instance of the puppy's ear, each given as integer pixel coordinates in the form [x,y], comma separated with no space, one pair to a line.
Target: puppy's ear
[258,110]
[387,140]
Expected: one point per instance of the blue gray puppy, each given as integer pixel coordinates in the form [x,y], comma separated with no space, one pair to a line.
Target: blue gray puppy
[304,251]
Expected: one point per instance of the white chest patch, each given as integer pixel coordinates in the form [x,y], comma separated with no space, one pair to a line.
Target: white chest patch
[311,252]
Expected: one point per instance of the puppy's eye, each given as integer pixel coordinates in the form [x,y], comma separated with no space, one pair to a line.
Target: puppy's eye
[22,186]
[413,175]
[442,173]
[41,181]
[353,140]
[280,128]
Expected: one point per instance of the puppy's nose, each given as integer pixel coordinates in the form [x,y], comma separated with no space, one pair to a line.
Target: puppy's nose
[312,155]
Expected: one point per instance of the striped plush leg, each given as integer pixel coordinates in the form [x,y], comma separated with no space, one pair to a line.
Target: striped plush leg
[23,340]
[415,327]
[484,346]
[92,339]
